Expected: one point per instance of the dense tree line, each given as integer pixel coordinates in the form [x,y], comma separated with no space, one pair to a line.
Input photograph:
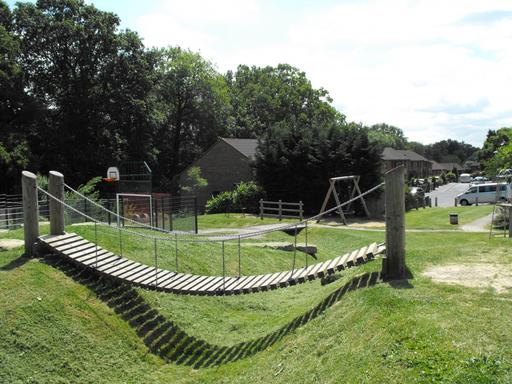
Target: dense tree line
[78,94]
[444,151]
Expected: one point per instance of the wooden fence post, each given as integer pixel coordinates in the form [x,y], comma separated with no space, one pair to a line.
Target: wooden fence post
[509,221]
[261,209]
[280,210]
[301,210]
[435,200]
[393,266]
[56,188]
[30,211]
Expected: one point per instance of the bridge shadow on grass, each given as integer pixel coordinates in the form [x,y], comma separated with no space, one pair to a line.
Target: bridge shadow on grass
[16,263]
[169,341]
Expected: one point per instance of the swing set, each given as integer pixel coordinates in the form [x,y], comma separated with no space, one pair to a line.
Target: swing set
[354,179]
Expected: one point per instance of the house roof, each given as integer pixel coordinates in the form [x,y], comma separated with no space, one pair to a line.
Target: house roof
[446,166]
[246,147]
[401,154]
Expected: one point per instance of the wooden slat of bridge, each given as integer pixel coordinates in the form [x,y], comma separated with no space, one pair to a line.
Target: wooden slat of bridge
[93,256]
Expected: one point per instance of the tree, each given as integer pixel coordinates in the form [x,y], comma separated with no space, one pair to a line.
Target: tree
[384,135]
[268,96]
[294,162]
[92,82]
[449,151]
[17,111]
[493,155]
[193,180]
[191,105]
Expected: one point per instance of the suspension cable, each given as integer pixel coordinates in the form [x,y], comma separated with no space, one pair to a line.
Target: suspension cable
[192,237]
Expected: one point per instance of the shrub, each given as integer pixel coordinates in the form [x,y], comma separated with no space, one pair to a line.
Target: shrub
[245,197]
[451,177]
[221,203]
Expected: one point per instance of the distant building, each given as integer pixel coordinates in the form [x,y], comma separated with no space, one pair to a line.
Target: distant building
[438,168]
[223,165]
[415,164]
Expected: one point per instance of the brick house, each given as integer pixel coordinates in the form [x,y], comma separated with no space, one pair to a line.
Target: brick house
[224,164]
[438,168]
[415,164]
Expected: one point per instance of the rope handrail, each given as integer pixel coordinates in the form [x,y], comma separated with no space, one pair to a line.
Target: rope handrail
[106,224]
[246,235]
[203,237]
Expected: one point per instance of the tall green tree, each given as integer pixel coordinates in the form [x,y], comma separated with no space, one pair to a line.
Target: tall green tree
[93,82]
[384,135]
[295,160]
[17,112]
[496,153]
[191,108]
[264,97]
[450,151]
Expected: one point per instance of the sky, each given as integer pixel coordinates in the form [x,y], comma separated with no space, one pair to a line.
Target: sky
[436,69]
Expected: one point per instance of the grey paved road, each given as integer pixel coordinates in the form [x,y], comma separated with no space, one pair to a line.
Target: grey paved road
[446,193]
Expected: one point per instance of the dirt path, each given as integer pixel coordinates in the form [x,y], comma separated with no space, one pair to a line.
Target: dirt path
[479,225]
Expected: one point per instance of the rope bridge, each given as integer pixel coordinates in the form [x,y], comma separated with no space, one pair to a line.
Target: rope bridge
[90,254]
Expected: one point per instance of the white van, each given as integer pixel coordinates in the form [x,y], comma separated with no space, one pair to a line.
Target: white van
[465,178]
[486,193]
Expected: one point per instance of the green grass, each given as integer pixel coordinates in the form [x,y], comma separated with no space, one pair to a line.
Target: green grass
[56,329]
[439,218]
[235,220]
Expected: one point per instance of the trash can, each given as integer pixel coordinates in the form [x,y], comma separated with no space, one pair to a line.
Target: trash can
[454,218]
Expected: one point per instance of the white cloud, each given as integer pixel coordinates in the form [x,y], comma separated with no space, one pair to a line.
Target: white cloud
[425,66]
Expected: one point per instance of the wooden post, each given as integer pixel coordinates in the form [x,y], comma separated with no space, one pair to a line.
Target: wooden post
[196,229]
[476,201]
[510,221]
[393,266]
[435,201]
[455,201]
[301,213]
[280,209]
[30,211]
[261,209]
[56,188]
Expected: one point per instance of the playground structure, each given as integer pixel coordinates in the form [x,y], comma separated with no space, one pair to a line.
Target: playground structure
[91,255]
[335,193]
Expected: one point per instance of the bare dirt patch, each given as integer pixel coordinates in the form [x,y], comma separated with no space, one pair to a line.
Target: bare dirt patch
[480,276]
[7,244]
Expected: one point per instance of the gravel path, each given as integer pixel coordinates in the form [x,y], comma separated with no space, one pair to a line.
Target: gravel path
[479,225]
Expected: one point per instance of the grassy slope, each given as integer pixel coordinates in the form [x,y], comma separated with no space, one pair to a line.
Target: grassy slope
[430,333]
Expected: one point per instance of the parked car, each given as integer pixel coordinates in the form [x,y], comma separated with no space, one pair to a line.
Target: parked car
[486,193]
[417,191]
[479,180]
[465,178]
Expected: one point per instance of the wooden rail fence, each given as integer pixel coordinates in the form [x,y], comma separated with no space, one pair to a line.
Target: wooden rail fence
[281,209]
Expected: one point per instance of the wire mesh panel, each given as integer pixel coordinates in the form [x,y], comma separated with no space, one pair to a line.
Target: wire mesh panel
[11,212]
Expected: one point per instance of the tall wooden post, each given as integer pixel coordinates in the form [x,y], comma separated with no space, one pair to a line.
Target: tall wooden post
[56,188]
[393,266]
[509,221]
[30,211]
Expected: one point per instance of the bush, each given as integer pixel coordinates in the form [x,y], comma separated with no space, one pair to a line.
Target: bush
[245,197]
[451,177]
[220,203]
